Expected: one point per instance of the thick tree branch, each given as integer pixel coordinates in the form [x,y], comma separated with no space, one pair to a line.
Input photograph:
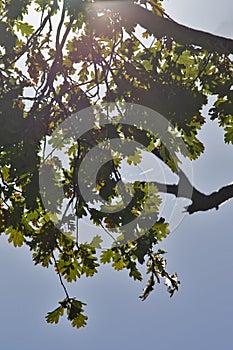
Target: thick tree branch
[200,201]
[203,202]
[133,14]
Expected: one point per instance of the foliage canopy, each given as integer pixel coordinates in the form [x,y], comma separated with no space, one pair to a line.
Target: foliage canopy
[86,53]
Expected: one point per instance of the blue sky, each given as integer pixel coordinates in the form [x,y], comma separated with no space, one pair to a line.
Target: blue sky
[200,250]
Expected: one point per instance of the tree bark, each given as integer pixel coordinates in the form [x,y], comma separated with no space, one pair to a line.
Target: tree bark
[159,26]
[200,201]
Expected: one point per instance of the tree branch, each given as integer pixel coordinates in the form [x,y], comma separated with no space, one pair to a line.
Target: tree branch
[200,201]
[203,202]
[159,26]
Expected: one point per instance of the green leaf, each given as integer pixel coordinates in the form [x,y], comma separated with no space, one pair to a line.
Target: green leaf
[16,237]
[106,256]
[119,264]
[96,242]
[75,309]
[136,274]
[135,159]
[228,137]
[75,313]
[53,316]
[26,29]
[79,321]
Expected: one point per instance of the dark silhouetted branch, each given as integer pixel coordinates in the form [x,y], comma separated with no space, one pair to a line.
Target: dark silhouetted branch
[203,202]
[200,201]
[159,26]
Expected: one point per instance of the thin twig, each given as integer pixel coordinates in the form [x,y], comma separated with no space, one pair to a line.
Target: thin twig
[60,277]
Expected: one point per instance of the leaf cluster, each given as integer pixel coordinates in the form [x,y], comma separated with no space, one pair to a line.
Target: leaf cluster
[82,55]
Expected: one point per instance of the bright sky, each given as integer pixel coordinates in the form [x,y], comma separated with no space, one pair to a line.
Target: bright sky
[199,316]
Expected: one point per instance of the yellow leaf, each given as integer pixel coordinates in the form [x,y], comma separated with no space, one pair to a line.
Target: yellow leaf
[135,212]
[145,35]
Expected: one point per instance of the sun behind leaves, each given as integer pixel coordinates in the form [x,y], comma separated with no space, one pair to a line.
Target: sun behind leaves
[81,54]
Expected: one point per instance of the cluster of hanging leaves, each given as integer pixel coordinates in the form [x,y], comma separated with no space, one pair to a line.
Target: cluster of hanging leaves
[77,55]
